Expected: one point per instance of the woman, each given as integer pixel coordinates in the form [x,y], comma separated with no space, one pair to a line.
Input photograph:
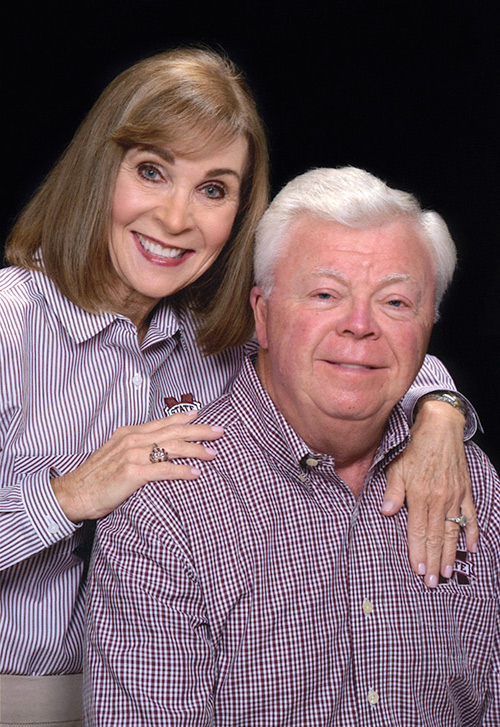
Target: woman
[127,300]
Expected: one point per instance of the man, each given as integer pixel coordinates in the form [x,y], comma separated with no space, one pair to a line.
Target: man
[271,591]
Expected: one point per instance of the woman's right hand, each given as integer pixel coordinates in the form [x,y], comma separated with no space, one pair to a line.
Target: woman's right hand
[122,465]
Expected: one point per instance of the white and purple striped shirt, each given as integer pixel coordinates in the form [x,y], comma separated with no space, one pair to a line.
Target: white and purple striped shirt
[68,379]
[265,594]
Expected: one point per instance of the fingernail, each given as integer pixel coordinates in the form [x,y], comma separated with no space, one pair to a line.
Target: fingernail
[422,569]
[387,506]
[448,571]
[217,429]
[433,581]
[209,450]
[195,471]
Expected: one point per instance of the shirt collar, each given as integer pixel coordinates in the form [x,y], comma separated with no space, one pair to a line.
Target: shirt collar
[82,325]
[283,443]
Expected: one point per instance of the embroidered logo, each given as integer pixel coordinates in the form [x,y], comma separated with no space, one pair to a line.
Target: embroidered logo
[463,569]
[184,406]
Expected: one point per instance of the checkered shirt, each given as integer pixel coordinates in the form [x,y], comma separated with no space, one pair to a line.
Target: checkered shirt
[265,594]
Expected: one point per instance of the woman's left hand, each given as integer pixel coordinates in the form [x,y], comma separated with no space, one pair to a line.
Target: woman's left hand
[432,475]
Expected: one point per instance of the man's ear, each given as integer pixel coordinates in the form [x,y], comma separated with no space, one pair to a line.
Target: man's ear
[259,307]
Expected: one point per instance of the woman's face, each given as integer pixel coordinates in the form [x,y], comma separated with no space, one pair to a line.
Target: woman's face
[170,219]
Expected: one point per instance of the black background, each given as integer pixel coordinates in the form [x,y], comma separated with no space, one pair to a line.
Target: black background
[408,90]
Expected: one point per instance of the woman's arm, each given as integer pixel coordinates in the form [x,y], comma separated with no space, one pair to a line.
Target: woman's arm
[50,498]
[432,475]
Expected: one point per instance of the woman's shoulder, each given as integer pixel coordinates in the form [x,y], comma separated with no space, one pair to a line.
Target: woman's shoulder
[18,295]
[14,282]
[18,287]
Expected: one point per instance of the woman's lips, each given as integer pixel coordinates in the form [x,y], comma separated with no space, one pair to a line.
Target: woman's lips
[154,248]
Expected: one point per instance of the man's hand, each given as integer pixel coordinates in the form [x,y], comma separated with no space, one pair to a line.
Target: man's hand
[432,475]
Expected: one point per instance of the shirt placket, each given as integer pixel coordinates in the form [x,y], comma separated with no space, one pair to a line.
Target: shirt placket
[371,652]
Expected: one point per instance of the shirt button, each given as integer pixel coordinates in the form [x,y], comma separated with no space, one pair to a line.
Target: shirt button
[52,526]
[311,462]
[373,697]
[367,607]
[137,380]
[302,477]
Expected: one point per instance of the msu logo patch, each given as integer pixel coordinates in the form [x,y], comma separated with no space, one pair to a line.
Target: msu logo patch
[463,570]
[184,406]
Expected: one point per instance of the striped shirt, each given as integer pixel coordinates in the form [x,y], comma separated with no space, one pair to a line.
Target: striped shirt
[68,379]
[265,594]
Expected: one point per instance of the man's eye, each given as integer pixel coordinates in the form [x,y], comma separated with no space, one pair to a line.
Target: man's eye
[324,296]
[396,303]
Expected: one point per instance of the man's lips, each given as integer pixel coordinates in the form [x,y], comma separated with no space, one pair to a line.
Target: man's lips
[153,247]
[348,365]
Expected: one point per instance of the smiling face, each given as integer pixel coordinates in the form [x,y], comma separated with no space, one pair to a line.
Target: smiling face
[346,326]
[171,217]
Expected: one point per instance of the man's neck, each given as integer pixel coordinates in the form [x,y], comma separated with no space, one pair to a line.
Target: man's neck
[352,446]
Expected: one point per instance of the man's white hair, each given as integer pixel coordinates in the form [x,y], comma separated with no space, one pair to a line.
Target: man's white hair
[351,197]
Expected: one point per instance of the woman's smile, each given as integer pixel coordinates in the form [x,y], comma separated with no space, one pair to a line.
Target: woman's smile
[154,249]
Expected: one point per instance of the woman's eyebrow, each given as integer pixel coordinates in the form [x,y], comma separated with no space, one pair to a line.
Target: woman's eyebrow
[220,172]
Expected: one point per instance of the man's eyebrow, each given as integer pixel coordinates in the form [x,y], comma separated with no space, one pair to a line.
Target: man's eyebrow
[170,159]
[399,278]
[330,273]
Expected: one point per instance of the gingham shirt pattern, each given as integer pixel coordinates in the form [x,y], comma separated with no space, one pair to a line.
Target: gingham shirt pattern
[264,594]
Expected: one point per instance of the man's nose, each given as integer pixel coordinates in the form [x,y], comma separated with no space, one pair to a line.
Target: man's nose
[358,320]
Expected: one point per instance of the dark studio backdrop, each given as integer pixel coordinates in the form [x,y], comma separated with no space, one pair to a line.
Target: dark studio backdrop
[408,90]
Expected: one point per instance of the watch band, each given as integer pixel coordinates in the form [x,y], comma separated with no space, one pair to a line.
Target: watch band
[447,397]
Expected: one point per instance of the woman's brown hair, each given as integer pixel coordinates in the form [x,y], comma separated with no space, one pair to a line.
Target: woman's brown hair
[188,99]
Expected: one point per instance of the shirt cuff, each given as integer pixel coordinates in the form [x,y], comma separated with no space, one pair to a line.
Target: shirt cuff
[413,396]
[48,519]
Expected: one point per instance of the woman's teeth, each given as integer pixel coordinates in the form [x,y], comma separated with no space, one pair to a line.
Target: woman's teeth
[159,250]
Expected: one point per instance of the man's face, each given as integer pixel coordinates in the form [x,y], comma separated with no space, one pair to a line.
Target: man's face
[347,324]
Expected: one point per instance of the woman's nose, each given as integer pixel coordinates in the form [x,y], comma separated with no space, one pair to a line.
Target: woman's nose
[174,214]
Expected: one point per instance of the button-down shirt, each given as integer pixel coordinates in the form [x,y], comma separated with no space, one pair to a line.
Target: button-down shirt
[266,594]
[68,379]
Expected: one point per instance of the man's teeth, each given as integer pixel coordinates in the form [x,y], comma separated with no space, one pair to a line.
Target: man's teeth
[355,366]
[158,250]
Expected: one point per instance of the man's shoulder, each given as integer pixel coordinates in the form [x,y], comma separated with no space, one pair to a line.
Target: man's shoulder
[485,490]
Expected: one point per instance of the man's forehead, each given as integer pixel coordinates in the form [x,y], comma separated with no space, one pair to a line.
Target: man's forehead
[318,242]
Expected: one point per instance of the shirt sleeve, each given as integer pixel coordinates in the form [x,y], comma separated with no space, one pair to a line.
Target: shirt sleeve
[433,376]
[31,518]
[150,656]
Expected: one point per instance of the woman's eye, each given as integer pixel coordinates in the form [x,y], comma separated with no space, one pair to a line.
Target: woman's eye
[149,172]
[214,191]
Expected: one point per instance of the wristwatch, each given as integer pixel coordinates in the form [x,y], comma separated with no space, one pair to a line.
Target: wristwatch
[449,398]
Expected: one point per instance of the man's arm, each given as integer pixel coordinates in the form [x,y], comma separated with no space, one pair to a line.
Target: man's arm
[150,657]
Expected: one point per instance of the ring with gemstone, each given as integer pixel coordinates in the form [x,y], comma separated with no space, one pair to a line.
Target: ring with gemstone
[158,454]
[461,520]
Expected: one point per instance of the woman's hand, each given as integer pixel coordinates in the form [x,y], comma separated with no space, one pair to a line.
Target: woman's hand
[432,475]
[122,465]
